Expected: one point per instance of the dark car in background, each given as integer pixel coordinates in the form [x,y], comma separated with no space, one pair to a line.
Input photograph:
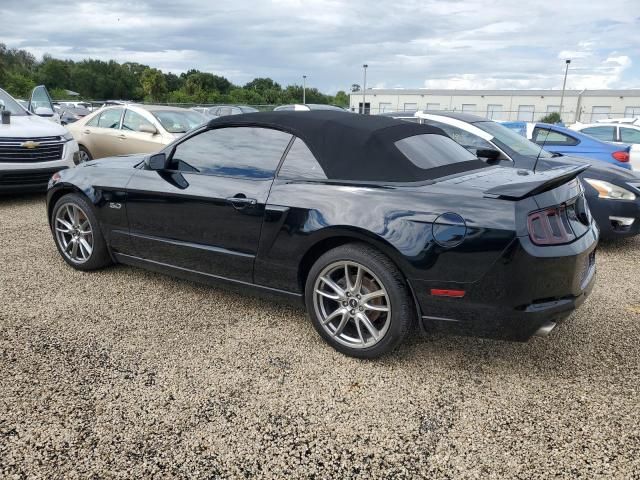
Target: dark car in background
[375,224]
[70,114]
[613,193]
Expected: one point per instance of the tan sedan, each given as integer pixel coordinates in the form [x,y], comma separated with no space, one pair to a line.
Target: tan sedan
[125,129]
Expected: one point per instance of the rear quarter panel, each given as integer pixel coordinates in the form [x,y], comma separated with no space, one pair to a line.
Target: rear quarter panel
[397,220]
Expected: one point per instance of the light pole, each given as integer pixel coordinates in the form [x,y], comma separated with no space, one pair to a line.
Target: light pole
[304,89]
[364,89]
[564,84]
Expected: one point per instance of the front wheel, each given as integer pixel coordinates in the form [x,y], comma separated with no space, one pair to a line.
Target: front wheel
[85,155]
[358,301]
[77,233]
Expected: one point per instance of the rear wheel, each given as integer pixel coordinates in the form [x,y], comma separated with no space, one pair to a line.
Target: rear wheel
[358,301]
[77,233]
[85,156]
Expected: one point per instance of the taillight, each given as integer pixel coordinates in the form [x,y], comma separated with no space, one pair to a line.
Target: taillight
[550,226]
[621,156]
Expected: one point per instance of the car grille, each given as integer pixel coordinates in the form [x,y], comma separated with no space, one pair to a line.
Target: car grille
[26,177]
[43,149]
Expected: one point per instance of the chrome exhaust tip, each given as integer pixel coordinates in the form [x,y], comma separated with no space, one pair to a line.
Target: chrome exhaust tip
[545,329]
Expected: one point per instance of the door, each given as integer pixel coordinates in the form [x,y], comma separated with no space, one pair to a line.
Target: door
[137,135]
[41,104]
[205,213]
[100,134]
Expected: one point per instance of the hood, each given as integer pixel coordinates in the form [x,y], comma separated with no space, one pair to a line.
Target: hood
[27,126]
[123,161]
[595,166]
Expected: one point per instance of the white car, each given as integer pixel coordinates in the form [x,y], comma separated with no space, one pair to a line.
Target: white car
[31,148]
[625,133]
[307,107]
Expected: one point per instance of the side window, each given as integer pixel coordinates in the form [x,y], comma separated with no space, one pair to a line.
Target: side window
[133,120]
[300,163]
[234,152]
[94,121]
[607,134]
[550,137]
[110,118]
[629,135]
[468,140]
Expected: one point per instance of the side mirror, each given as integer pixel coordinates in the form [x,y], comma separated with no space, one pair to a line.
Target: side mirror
[490,154]
[148,128]
[44,112]
[157,162]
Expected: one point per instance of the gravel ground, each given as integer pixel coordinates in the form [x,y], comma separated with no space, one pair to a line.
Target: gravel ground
[128,374]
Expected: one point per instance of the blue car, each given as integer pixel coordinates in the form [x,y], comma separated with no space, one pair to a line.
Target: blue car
[562,141]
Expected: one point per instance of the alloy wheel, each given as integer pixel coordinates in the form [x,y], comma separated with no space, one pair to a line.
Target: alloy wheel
[84,156]
[352,304]
[73,233]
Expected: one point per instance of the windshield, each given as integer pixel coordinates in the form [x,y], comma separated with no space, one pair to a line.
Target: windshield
[248,109]
[507,139]
[8,103]
[317,106]
[176,121]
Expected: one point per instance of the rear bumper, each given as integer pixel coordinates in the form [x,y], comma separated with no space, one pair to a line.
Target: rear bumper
[521,293]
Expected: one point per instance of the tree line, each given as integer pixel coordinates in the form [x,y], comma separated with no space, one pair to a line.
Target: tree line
[20,72]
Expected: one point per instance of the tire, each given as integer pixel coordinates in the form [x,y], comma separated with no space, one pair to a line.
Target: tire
[382,286]
[67,232]
[85,155]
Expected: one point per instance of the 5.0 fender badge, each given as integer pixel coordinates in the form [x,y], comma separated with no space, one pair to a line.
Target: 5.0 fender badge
[115,205]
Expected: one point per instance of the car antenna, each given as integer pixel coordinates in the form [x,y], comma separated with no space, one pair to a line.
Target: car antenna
[544,142]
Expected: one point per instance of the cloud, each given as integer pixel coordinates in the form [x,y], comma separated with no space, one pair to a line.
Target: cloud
[407,43]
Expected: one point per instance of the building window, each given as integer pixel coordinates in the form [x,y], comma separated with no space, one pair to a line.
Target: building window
[553,108]
[433,106]
[384,107]
[469,107]
[494,112]
[410,107]
[526,112]
[632,112]
[599,113]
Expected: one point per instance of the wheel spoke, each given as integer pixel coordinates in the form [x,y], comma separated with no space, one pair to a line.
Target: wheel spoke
[378,293]
[367,323]
[328,295]
[67,225]
[74,249]
[357,286]
[343,323]
[376,308]
[334,286]
[85,245]
[360,332]
[334,314]
[68,246]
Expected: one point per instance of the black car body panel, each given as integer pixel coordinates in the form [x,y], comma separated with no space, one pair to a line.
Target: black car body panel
[441,233]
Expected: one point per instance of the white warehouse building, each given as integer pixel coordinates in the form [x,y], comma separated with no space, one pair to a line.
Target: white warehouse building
[528,105]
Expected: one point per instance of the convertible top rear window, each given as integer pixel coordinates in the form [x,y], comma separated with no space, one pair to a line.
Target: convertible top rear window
[430,151]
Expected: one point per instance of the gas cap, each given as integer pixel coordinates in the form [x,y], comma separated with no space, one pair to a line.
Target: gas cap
[449,230]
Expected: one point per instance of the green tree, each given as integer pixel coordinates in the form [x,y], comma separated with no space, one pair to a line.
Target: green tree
[553,117]
[341,99]
[154,85]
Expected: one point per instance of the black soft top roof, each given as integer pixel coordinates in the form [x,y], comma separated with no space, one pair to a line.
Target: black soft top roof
[349,146]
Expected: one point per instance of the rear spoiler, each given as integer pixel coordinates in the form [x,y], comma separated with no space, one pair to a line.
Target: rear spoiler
[535,182]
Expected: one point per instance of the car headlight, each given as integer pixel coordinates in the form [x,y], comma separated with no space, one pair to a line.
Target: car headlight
[609,190]
[67,137]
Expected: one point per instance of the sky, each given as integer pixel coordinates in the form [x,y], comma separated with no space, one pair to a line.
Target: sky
[406,43]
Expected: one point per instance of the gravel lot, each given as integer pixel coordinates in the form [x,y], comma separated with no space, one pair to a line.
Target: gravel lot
[127,374]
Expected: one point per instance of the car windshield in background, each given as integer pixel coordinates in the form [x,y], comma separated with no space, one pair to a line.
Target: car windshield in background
[174,121]
[8,103]
[506,138]
[248,109]
[431,150]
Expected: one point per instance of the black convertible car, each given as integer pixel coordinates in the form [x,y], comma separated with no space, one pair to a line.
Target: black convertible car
[376,224]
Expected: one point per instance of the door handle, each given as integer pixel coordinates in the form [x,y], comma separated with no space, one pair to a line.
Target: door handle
[87,132]
[242,202]
[122,136]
